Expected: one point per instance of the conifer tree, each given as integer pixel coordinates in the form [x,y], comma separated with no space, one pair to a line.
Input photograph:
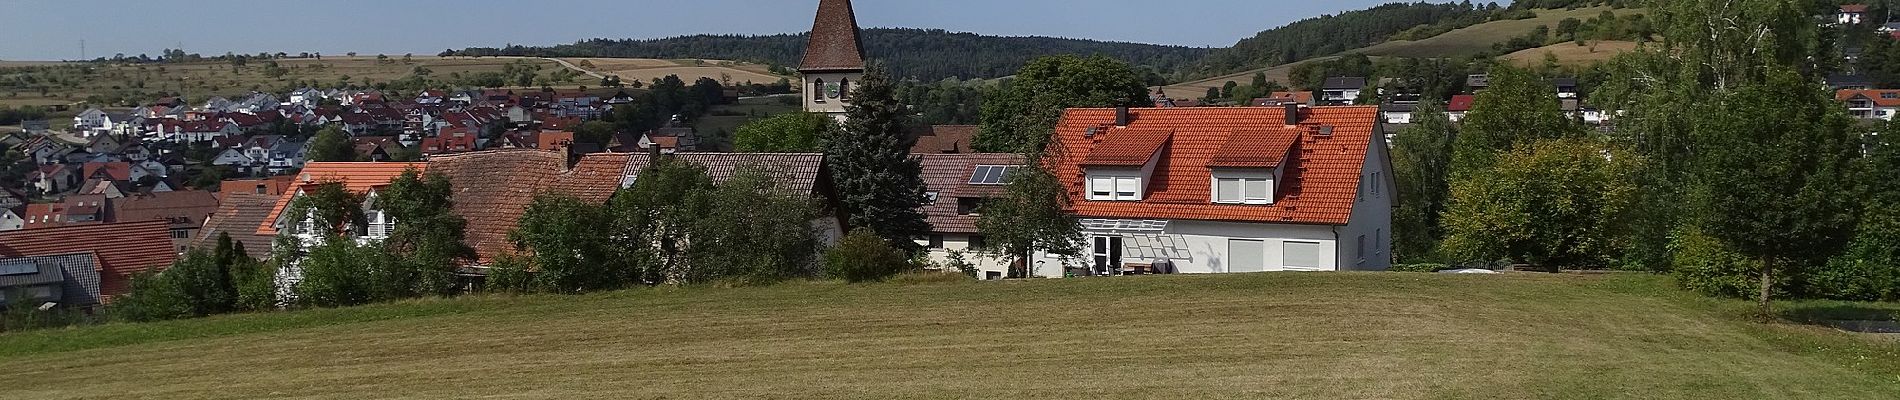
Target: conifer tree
[880,184]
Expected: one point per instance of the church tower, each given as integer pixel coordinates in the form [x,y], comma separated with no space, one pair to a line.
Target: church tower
[834,59]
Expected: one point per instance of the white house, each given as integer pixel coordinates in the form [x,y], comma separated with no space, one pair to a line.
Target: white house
[956,186]
[95,122]
[1220,190]
[11,220]
[1873,104]
[1459,106]
[1341,90]
[1850,14]
[834,59]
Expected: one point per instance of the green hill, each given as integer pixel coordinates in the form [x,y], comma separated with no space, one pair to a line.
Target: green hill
[1284,335]
[1479,38]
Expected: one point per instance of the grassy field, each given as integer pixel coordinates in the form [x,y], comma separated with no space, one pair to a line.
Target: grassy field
[730,117]
[1395,336]
[1462,42]
[1569,53]
[1479,38]
[645,70]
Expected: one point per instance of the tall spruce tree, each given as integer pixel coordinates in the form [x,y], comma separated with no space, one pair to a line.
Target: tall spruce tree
[881,186]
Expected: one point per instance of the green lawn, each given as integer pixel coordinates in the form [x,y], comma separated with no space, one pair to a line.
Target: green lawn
[1404,336]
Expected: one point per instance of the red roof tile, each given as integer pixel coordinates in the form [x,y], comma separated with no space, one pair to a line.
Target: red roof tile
[1460,103]
[1125,147]
[494,188]
[134,247]
[357,177]
[1255,148]
[834,42]
[1880,97]
[1320,187]
[945,139]
[118,171]
[948,175]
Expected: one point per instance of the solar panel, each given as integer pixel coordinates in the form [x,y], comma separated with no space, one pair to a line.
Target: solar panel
[990,175]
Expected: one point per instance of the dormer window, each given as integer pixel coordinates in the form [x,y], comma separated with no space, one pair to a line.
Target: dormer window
[1243,187]
[1115,187]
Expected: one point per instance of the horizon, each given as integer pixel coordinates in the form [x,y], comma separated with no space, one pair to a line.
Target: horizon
[150,28]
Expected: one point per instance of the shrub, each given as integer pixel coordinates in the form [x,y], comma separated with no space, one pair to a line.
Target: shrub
[1702,264]
[152,298]
[510,274]
[863,256]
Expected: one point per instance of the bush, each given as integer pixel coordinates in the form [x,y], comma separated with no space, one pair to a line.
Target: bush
[863,256]
[1702,264]
[510,274]
[152,298]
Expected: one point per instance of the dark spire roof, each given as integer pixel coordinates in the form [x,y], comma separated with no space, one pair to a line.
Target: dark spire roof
[835,44]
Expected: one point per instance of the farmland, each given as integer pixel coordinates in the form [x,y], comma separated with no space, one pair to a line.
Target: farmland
[1287,335]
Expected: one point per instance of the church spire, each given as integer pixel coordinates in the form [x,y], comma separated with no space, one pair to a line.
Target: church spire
[835,44]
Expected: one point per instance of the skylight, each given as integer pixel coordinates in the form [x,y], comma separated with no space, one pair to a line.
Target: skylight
[991,174]
[19,267]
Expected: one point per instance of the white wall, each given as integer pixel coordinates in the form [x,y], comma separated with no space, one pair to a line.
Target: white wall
[1206,243]
[1371,214]
[832,106]
[984,263]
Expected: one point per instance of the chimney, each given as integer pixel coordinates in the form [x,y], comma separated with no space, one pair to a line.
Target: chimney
[1121,117]
[653,152]
[1292,113]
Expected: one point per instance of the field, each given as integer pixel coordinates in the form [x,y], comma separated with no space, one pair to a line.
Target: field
[1569,53]
[1461,42]
[1395,336]
[1479,38]
[645,70]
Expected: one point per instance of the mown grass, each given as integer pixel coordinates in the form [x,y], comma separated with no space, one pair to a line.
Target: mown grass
[1236,336]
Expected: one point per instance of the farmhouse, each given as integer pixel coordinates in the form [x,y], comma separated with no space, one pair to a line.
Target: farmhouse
[136,247]
[957,185]
[1870,104]
[1214,190]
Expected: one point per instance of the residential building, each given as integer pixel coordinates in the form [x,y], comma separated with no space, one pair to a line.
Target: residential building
[1850,14]
[945,139]
[70,280]
[1459,106]
[1341,90]
[1877,104]
[1277,99]
[834,59]
[494,188]
[238,215]
[1218,190]
[797,173]
[185,210]
[72,210]
[12,218]
[957,185]
[136,247]
[363,178]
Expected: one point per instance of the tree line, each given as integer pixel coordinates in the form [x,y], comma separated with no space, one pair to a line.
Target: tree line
[924,54]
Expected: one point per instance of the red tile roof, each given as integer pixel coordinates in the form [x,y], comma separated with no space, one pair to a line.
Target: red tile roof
[1320,187]
[1126,147]
[945,139]
[835,43]
[1853,8]
[133,247]
[1880,97]
[182,208]
[948,175]
[118,171]
[359,177]
[272,186]
[1460,103]
[494,188]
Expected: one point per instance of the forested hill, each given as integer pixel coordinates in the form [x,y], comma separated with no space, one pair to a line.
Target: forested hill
[927,54]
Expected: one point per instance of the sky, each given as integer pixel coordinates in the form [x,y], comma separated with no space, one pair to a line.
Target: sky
[54,29]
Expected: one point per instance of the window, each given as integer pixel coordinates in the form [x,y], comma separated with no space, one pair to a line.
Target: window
[19,267]
[1303,255]
[936,241]
[969,205]
[1362,249]
[977,242]
[931,196]
[1246,255]
[1115,188]
[1243,190]
[39,292]
[261,189]
[818,90]
[1107,254]
[1375,183]
[181,234]
[991,174]
[844,89]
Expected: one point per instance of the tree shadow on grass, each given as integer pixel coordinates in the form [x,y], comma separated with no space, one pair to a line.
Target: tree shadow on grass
[1852,317]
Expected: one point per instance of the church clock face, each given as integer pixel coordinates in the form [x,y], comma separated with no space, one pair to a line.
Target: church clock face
[832,90]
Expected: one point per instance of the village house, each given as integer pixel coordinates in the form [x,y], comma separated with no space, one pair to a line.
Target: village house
[1459,106]
[1341,90]
[956,186]
[238,216]
[834,58]
[71,210]
[1218,190]
[1874,104]
[1277,99]
[1850,14]
[12,218]
[185,211]
[96,122]
[804,174]
[136,247]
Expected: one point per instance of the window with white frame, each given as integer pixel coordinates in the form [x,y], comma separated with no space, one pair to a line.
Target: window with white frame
[1114,188]
[1243,190]
[1303,255]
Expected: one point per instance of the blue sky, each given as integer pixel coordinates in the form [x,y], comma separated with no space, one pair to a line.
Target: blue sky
[53,29]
